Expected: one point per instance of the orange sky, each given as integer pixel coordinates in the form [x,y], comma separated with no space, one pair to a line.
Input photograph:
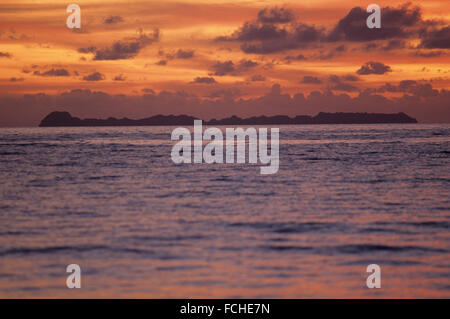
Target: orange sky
[35,43]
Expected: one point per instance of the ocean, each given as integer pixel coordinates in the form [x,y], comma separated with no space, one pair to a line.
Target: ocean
[111,200]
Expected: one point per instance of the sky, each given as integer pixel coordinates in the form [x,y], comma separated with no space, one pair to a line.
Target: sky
[216,58]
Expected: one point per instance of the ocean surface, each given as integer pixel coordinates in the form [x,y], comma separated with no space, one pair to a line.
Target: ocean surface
[112,201]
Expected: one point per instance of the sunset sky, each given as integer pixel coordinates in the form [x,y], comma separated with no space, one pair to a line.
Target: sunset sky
[215,58]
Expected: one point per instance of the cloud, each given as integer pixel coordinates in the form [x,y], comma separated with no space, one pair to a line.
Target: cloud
[436,39]
[96,76]
[346,87]
[5,55]
[308,79]
[339,83]
[396,23]
[316,56]
[13,35]
[258,78]
[247,64]
[322,56]
[119,77]
[410,86]
[275,15]
[53,72]
[148,91]
[223,68]
[252,31]
[225,94]
[370,46]
[374,68]
[13,79]
[429,54]
[127,48]
[113,20]
[90,49]
[268,39]
[161,62]
[394,45]
[350,77]
[299,57]
[230,68]
[274,30]
[182,54]
[338,79]
[204,80]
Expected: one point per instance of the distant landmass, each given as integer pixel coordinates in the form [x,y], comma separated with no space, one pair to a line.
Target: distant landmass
[59,119]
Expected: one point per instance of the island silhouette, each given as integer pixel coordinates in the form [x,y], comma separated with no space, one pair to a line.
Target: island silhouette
[61,119]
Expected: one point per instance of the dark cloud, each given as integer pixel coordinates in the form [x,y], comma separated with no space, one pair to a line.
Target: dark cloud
[370,46]
[247,64]
[13,35]
[334,79]
[436,39]
[339,83]
[230,68]
[274,30]
[374,68]
[428,54]
[350,77]
[225,94]
[13,79]
[316,56]
[266,39]
[308,79]
[276,89]
[5,55]
[180,54]
[161,62]
[276,15]
[394,45]
[306,33]
[53,72]
[346,87]
[252,31]
[223,68]
[127,48]
[119,77]
[96,76]
[299,57]
[388,88]
[267,47]
[184,54]
[148,91]
[338,79]
[322,56]
[396,22]
[204,80]
[90,49]
[258,78]
[410,86]
[113,20]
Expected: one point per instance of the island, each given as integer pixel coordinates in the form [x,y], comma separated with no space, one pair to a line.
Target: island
[61,119]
